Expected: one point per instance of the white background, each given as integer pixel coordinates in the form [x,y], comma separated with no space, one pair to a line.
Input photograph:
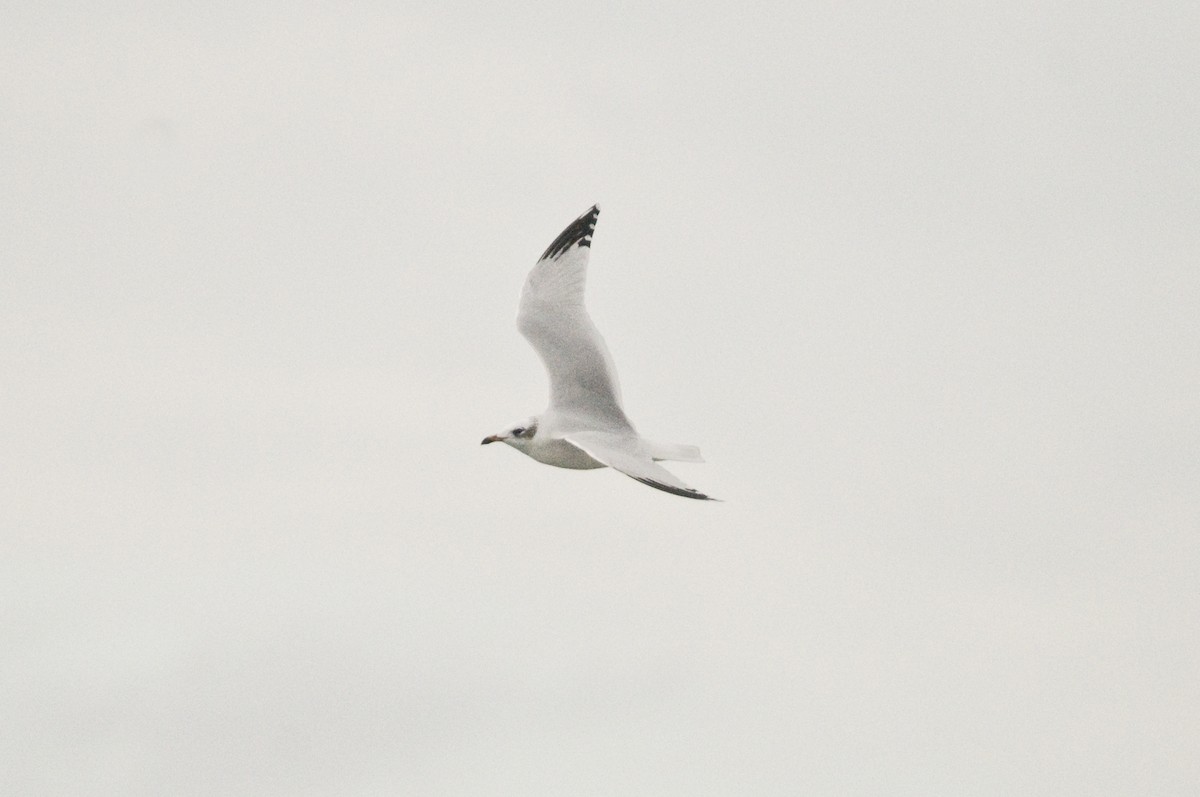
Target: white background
[921,280]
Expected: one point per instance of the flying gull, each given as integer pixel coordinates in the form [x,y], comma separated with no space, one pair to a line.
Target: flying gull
[584,426]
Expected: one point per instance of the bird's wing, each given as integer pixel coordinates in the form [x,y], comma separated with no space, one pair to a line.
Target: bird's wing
[622,452]
[552,317]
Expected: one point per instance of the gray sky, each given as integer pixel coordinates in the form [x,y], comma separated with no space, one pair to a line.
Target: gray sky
[922,282]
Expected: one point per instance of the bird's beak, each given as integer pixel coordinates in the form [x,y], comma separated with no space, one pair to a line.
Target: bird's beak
[492,438]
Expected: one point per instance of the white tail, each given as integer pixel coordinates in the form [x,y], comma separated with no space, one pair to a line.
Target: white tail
[675,452]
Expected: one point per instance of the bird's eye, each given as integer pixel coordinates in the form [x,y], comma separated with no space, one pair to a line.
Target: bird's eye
[520,430]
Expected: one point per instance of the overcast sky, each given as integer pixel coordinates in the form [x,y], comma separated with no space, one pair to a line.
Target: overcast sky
[921,280]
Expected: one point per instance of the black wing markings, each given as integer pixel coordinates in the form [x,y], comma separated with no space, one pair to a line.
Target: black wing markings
[686,492]
[578,232]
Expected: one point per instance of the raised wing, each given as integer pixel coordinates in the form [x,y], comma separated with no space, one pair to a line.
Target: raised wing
[623,453]
[552,317]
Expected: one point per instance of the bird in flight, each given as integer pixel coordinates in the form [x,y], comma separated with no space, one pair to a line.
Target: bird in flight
[584,426]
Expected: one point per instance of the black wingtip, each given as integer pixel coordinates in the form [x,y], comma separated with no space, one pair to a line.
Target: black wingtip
[578,232]
[686,492]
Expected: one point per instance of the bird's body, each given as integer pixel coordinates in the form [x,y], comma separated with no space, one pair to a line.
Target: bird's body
[558,452]
[584,426]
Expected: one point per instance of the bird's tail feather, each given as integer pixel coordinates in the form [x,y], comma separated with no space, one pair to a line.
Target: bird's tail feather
[676,452]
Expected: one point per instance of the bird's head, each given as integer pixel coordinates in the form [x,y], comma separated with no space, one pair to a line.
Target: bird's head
[519,435]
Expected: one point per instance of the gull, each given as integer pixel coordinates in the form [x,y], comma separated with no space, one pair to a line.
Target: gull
[584,426]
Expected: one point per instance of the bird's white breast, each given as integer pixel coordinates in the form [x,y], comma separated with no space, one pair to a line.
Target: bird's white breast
[561,454]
